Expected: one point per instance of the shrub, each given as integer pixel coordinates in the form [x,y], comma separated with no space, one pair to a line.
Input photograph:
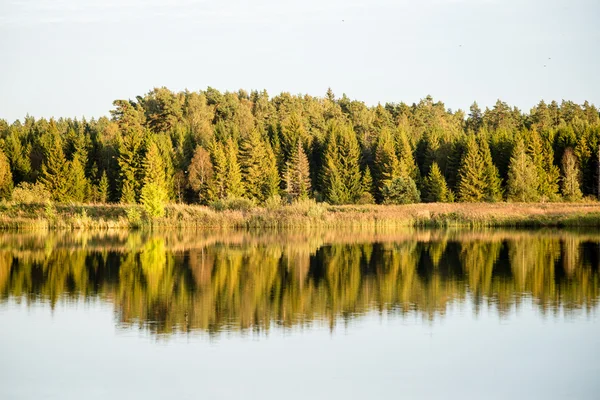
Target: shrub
[134,216]
[366,198]
[401,190]
[273,202]
[153,199]
[28,193]
[233,204]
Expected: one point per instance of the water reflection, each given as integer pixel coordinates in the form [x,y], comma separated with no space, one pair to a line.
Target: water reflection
[212,282]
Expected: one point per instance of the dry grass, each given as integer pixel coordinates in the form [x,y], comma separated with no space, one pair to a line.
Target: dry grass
[306,214]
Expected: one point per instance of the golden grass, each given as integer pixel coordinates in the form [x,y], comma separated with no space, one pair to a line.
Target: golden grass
[306,214]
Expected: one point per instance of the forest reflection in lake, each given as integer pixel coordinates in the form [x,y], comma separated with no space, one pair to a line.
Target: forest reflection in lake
[239,281]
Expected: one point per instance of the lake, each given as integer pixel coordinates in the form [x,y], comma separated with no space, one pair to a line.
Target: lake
[468,314]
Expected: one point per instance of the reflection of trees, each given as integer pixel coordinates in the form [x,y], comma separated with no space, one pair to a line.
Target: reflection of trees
[168,283]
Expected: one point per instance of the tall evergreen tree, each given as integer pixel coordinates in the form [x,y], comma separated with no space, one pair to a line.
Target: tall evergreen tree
[542,156]
[259,167]
[522,176]
[472,184]
[55,171]
[341,172]
[6,179]
[297,175]
[436,189]
[387,165]
[103,188]
[491,176]
[234,183]
[154,194]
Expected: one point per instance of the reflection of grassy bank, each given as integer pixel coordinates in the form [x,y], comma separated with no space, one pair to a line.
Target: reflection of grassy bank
[306,214]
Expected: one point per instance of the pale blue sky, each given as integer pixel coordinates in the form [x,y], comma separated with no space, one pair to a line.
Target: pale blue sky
[73,58]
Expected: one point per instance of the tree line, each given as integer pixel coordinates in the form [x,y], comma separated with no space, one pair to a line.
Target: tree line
[206,146]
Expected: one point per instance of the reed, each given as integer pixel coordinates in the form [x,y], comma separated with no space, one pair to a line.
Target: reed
[304,214]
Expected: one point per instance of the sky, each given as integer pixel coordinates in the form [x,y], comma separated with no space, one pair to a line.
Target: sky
[69,58]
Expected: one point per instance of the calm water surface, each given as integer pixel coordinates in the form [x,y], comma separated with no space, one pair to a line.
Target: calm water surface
[415,314]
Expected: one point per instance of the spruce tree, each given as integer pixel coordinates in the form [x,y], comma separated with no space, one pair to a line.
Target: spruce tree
[472,184]
[491,176]
[367,187]
[341,172]
[154,194]
[542,156]
[522,176]
[6,179]
[234,183]
[387,166]
[103,189]
[55,171]
[408,167]
[219,162]
[259,167]
[297,175]
[570,182]
[252,160]
[436,189]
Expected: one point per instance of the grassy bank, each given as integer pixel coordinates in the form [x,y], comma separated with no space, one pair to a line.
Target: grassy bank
[300,215]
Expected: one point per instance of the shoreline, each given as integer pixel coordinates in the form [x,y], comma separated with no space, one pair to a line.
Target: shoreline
[301,215]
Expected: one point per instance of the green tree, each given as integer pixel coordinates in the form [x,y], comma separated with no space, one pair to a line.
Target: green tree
[235,185]
[472,184]
[297,175]
[341,170]
[259,167]
[367,187]
[103,189]
[542,156]
[401,190]
[522,176]
[55,171]
[571,177]
[154,195]
[387,166]
[436,189]
[6,180]
[491,176]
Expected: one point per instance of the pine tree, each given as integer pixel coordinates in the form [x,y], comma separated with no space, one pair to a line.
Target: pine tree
[571,177]
[219,162]
[103,189]
[297,175]
[491,176]
[542,156]
[234,183]
[367,187]
[130,165]
[252,162]
[408,167]
[472,185]
[387,166]
[79,186]
[154,195]
[55,171]
[271,180]
[522,176]
[341,171]
[436,189]
[6,179]
[259,167]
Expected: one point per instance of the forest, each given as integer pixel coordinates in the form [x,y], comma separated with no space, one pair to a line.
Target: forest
[207,147]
